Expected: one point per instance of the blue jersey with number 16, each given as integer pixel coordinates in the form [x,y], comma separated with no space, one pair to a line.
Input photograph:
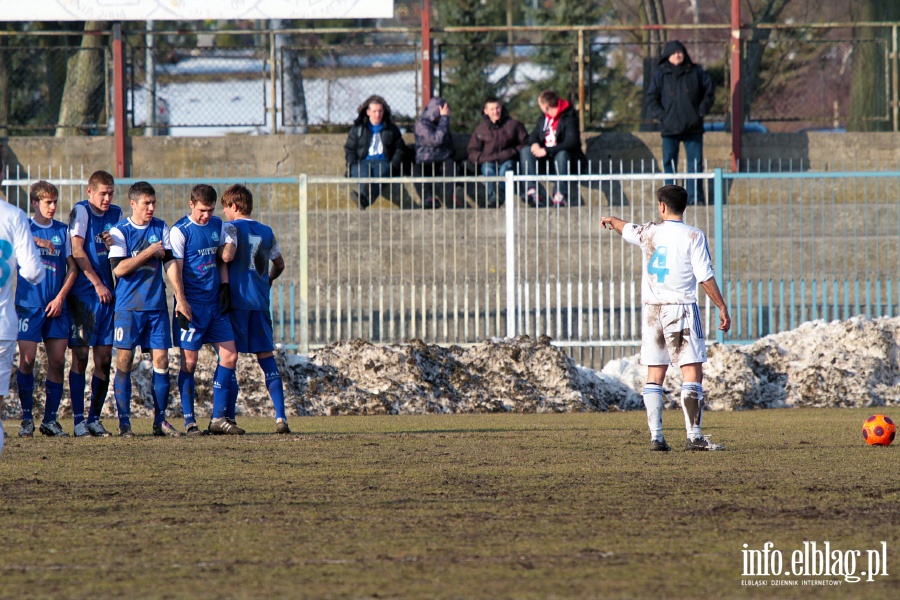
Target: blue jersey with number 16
[39,296]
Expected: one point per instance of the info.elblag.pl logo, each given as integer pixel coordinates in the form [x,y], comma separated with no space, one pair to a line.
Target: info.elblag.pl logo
[814,563]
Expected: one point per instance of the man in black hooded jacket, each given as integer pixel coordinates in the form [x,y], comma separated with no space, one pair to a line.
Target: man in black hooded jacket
[375,148]
[680,95]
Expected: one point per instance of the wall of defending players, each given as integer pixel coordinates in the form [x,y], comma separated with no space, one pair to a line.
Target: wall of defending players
[103,288]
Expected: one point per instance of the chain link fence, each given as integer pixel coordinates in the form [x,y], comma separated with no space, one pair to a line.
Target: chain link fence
[794,78]
[32,84]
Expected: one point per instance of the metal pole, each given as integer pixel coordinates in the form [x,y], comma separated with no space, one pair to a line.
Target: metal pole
[303,233]
[719,266]
[894,72]
[273,76]
[426,52]
[150,130]
[581,82]
[121,129]
[511,310]
[737,118]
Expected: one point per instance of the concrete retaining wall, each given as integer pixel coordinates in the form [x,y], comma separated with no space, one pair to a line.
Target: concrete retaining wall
[322,154]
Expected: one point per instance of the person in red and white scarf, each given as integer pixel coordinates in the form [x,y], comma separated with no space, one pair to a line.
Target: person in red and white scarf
[554,147]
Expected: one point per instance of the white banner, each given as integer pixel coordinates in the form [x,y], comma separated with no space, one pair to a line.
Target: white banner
[191,10]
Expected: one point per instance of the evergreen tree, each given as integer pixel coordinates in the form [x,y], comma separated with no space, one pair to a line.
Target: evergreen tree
[469,60]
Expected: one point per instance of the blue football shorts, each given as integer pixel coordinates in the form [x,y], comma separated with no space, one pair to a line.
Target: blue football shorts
[208,326]
[252,331]
[91,321]
[36,326]
[148,329]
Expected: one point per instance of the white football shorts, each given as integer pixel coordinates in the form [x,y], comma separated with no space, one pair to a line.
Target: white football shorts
[672,334]
[7,356]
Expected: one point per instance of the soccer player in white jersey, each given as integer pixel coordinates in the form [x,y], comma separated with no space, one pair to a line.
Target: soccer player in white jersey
[17,251]
[675,258]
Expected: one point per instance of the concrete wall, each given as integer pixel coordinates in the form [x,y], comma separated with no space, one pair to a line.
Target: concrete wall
[322,154]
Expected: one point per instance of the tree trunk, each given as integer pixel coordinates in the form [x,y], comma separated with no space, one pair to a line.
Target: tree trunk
[83,95]
[867,100]
[769,13]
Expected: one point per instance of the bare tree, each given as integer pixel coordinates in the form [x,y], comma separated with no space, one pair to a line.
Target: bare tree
[296,119]
[83,95]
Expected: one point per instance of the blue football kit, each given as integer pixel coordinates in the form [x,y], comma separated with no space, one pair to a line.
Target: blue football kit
[92,321]
[141,316]
[197,246]
[248,275]
[251,319]
[32,300]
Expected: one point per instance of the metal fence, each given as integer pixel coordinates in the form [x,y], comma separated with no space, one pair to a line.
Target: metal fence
[799,76]
[788,247]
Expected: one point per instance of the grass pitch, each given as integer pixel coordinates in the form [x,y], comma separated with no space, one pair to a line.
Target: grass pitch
[447,506]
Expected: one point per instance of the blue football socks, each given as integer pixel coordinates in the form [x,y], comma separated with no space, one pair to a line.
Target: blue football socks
[186,389]
[26,394]
[274,384]
[122,390]
[99,389]
[233,391]
[222,381]
[160,395]
[54,397]
[76,391]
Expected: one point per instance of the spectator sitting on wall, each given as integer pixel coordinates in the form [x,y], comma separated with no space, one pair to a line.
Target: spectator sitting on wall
[375,148]
[555,140]
[495,146]
[434,157]
[681,93]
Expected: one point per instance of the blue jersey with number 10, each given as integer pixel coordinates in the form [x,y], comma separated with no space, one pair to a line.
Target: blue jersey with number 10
[143,288]
[39,296]
[248,273]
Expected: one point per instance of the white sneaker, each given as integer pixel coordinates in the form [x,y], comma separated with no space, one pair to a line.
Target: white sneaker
[702,443]
[81,430]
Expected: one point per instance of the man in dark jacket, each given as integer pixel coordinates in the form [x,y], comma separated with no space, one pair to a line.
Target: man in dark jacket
[375,148]
[680,95]
[495,146]
[556,141]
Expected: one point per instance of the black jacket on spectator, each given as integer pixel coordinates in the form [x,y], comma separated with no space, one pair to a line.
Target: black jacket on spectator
[679,97]
[568,136]
[497,142]
[356,149]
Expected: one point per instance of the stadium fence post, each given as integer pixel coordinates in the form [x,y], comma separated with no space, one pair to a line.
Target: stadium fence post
[718,184]
[302,232]
[510,256]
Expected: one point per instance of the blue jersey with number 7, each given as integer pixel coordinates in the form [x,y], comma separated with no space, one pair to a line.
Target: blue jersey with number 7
[248,273]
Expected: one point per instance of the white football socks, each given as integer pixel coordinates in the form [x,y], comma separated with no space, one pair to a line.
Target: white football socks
[692,405]
[653,402]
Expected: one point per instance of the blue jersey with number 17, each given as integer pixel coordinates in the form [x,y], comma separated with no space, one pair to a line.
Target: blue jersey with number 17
[248,273]
[143,288]
[39,296]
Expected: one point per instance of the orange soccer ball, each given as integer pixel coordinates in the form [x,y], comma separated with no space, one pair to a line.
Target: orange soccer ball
[879,430]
